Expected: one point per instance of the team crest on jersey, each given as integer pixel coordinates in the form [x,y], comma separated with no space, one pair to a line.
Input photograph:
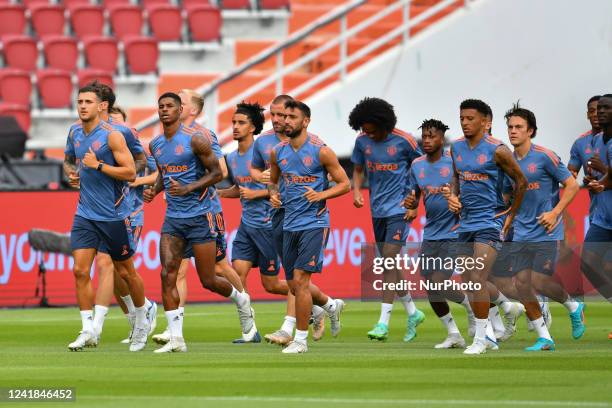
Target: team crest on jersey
[588,150]
[459,158]
[368,150]
[284,162]
[482,158]
[444,171]
[391,150]
[307,160]
[532,168]
[96,145]
[179,149]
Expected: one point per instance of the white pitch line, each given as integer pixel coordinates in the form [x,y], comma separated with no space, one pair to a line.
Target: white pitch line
[359,401]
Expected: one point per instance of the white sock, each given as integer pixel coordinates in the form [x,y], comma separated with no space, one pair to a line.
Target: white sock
[489,331]
[288,324]
[148,303]
[241,299]
[141,316]
[503,302]
[481,329]
[609,299]
[541,328]
[570,304]
[466,304]
[385,313]
[448,321]
[408,304]
[301,336]
[87,320]
[181,310]
[330,306]
[129,303]
[317,310]
[99,315]
[496,320]
[175,323]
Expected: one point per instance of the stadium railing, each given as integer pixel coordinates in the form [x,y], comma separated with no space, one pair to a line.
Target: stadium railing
[215,108]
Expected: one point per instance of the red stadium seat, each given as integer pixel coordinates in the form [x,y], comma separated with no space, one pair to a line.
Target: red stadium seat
[190,3]
[235,4]
[101,53]
[112,3]
[20,52]
[30,3]
[48,19]
[15,86]
[88,75]
[273,4]
[204,23]
[54,88]
[87,20]
[148,3]
[166,22]
[126,20]
[61,52]
[141,54]
[20,112]
[69,4]
[12,19]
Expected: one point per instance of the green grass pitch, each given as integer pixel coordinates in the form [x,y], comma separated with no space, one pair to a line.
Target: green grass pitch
[348,371]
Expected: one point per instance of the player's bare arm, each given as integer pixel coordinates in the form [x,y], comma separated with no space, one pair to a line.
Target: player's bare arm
[232,192]
[329,160]
[551,218]
[274,178]
[202,149]
[358,176]
[124,170]
[506,162]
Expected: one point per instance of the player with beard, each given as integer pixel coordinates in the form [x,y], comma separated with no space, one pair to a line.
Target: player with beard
[304,163]
[260,171]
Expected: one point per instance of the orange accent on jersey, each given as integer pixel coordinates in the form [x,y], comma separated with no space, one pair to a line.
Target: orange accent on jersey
[506,211]
[492,140]
[315,140]
[321,211]
[119,200]
[211,223]
[106,126]
[454,227]
[203,194]
[220,223]
[268,132]
[420,158]
[409,138]
[551,155]
[585,134]
[325,232]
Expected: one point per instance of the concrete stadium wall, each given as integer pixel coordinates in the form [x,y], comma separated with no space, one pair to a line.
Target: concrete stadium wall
[552,55]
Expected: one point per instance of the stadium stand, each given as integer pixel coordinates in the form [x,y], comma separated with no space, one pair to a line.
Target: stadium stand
[12,19]
[61,52]
[15,86]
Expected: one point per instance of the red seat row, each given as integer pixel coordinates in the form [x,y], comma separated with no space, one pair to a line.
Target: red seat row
[54,85]
[165,20]
[141,53]
[225,4]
